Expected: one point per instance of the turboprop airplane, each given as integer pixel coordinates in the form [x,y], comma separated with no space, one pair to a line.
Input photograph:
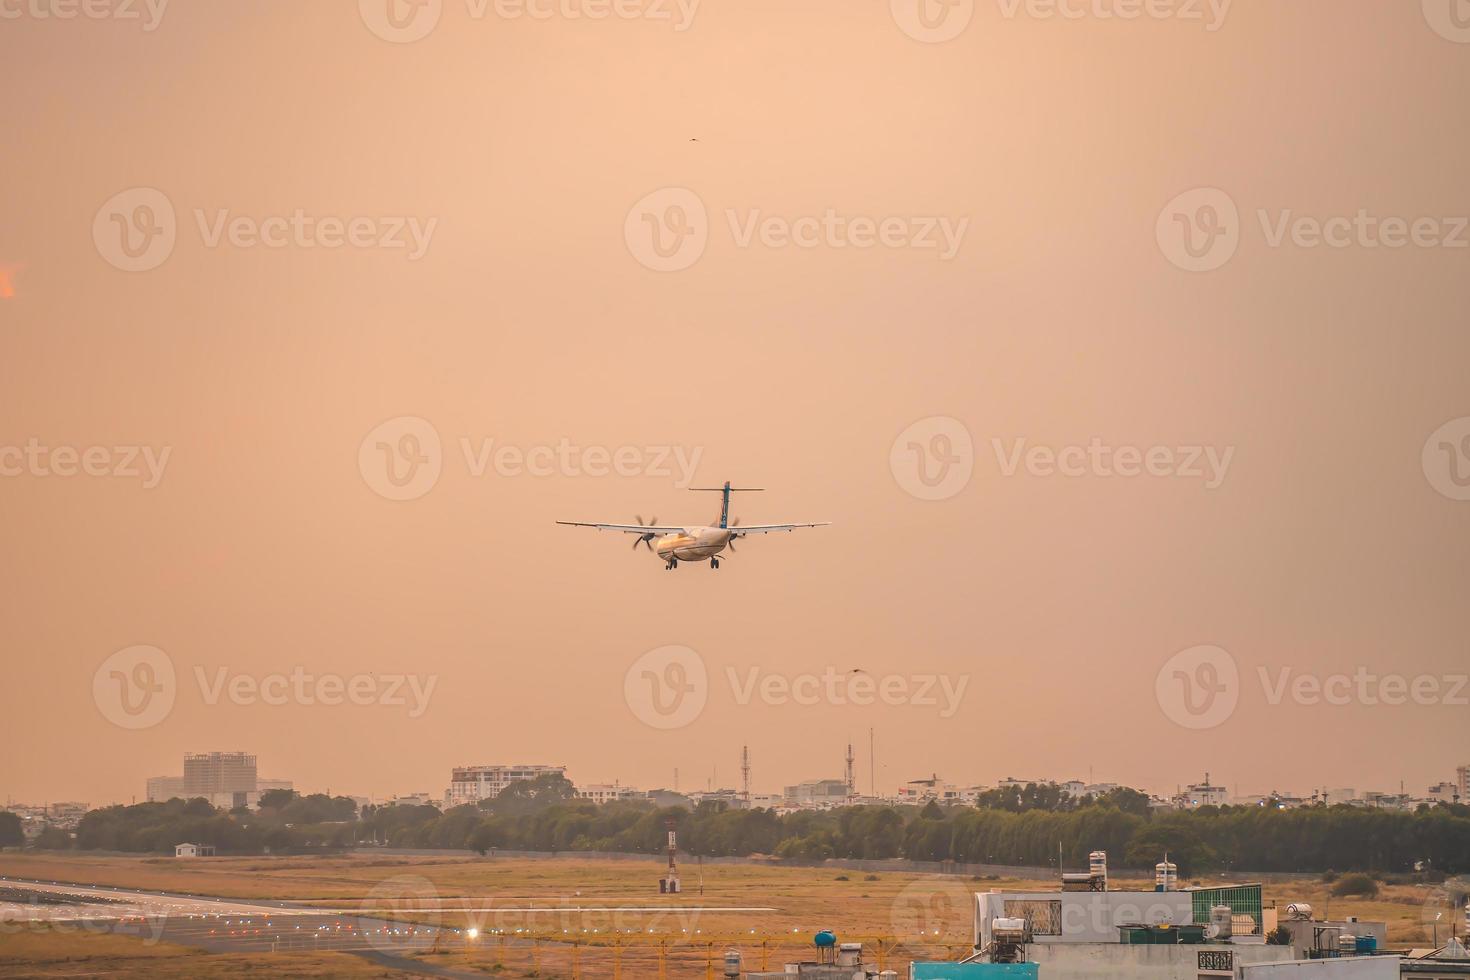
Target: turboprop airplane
[675,544]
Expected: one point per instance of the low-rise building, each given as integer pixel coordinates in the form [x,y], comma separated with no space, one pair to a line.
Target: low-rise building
[816,793]
[601,793]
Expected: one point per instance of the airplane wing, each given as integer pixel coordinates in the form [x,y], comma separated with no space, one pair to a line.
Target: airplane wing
[768,528]
[629,528]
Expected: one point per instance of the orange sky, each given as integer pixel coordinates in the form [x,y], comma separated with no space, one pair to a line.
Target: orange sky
[519,147]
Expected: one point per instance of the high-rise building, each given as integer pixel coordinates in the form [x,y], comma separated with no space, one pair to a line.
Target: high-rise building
[1463,774]
[209,773]
[471,784]
[161,789]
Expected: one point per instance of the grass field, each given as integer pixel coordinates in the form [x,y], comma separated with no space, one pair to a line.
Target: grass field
[572,901]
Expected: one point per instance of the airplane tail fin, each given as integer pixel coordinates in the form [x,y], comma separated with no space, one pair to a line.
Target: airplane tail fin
[725,492]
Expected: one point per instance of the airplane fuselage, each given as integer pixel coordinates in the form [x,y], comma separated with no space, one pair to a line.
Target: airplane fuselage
[693,543]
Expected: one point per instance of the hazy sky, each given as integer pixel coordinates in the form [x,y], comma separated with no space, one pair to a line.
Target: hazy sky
[802,163]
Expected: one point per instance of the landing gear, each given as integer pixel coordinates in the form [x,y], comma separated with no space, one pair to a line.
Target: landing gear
[670,566]
[714,563]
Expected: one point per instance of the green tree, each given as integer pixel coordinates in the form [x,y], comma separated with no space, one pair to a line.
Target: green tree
[11,834]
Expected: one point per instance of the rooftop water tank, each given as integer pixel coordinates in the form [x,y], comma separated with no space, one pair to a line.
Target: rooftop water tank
[825,939]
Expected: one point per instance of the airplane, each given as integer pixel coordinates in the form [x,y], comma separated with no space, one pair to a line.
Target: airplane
[697,543]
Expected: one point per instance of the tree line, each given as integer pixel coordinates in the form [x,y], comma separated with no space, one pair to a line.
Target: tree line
[1015,827]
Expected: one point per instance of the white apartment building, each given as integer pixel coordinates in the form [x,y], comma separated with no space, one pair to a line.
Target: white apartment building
[471,784]
[601,793]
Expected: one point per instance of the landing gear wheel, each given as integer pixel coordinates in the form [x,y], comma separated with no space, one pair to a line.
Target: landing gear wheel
[714,563]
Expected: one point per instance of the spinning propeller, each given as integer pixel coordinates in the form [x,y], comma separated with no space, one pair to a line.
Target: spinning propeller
[644,539]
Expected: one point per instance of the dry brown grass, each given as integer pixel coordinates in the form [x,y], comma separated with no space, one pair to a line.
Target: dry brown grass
[895,904]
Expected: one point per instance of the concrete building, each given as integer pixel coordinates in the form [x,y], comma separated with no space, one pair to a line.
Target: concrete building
[161,789]
[1450,962]
[933,788]
[1158,935]
[1203,794]
[412,799]
[208,773]
[1057,917]
[228,780]
[1312,938]
[193,850]
[1462,776]
[471,784]
[601,793]
[816,793]
[1445,792]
